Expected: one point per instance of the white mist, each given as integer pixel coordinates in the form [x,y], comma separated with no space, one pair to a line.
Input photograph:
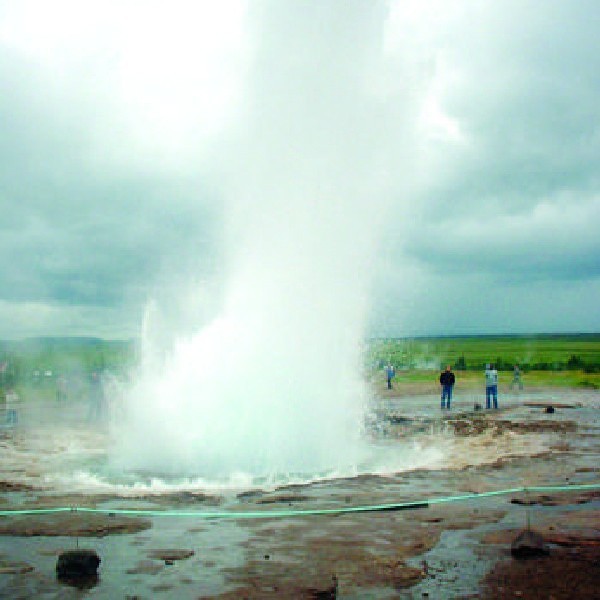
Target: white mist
[270,385]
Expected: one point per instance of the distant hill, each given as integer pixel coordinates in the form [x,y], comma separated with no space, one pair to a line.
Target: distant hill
[496,336]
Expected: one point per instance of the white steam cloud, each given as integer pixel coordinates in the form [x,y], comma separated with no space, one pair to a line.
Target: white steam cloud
[270,383]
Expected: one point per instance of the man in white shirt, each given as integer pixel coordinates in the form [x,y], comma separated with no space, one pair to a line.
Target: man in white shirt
[491,386]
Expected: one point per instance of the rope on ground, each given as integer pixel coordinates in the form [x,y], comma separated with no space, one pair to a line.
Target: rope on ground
[272,514]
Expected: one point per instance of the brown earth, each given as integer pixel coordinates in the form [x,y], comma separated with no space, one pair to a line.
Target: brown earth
[568,572]
[356,554]
[571,570]
[71,524]
[313,558]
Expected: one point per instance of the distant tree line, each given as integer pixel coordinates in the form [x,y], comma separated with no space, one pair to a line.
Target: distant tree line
[574,363]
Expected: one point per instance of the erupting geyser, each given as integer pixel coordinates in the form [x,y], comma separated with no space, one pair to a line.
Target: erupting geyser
[271,385]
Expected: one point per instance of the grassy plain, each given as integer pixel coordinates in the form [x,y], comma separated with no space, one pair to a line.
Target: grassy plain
[32,366]
[546,361]
[426,381]
[534,352]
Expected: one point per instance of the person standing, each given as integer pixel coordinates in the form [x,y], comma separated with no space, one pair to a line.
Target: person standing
[447,380]
[61,388]
[491,386]
[390,372]
[516,378]
[11,399]
[96,397]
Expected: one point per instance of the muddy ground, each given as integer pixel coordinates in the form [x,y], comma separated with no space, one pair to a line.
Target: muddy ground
[458,549]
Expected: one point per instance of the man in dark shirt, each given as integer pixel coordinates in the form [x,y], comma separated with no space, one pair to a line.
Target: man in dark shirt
[447,380]
[390,373]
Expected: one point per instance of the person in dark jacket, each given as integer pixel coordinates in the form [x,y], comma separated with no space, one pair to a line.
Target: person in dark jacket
[447,380]
[390,373]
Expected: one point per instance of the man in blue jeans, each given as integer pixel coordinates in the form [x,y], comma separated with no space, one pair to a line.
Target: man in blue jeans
[447,380]
[491,386]
[390,373]
[11,399]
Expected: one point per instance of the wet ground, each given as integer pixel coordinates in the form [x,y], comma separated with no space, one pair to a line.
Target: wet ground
[437,550]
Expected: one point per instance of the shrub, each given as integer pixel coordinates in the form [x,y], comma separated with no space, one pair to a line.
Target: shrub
[461,364]
[575,362]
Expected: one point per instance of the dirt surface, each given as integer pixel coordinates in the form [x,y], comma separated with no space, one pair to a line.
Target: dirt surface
[361,552]
[71,524]
[567,573]
[572,567]
[445,549]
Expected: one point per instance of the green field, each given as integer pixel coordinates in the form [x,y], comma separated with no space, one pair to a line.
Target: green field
[546,360]
[34,365]
[539,352]
[427,380]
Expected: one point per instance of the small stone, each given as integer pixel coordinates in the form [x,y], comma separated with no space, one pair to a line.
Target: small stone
[170,554]
[527,544]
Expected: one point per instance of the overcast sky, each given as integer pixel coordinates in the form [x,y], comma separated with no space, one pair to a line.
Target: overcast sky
[115,119]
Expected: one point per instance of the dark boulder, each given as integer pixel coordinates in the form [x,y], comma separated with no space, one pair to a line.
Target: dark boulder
[78,566]
[529,544]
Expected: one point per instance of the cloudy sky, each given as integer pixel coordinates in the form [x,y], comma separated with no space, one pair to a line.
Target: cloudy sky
[117,120]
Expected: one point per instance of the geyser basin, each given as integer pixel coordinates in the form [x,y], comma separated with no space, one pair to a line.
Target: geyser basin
[66,458]
[72,455]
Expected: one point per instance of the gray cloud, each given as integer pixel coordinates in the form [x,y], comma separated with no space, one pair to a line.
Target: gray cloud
[97,213]
[553,240]
[523,86]
[75,232]
[517,196]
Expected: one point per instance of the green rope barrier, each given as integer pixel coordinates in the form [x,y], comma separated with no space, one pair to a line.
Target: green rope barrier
[303,512]
[35,511]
